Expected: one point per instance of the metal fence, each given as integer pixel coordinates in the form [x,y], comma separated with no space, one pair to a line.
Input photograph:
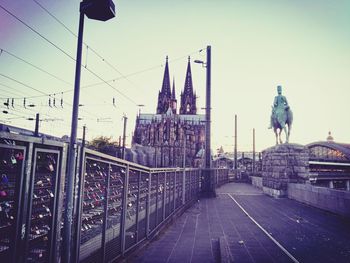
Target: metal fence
[124,203]
[31,198]
[117,204]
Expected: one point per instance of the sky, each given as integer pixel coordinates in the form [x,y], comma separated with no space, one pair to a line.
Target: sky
[302,45]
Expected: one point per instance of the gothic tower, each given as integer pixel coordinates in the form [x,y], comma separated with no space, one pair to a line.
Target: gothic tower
[164,96]
[173,98]
[188,97]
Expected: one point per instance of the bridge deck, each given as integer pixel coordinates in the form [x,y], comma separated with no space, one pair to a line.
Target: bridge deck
[275,230]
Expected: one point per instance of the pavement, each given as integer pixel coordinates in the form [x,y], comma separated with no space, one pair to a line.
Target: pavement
[248,226]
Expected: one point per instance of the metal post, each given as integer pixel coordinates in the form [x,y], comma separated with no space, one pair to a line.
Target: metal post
[124,130]
[36,132]
[79,188]
[124,208]
[253,168]
[184,172]
[235,150]
[120,147]
[105,216]
[207,111]
[68,216]
[155,156]
[148,203]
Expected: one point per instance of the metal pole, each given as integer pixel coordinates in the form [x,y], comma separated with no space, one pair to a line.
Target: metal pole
[120,147]
[68,215]
[253,170]
[184,172]
[207,111]
[36,132]
[79,189]
[235,151]
[124,130]
[155,156]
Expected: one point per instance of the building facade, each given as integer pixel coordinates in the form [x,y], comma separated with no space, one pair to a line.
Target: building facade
[170,131]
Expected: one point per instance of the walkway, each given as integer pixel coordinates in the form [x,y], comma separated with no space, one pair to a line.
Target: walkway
[275,230]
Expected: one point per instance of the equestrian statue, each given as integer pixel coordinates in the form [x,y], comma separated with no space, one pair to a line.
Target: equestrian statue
[281,116]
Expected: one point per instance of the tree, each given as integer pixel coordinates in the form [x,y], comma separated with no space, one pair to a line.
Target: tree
[103,142]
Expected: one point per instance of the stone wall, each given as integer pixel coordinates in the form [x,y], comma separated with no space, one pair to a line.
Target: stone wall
[283,164]
[332,200]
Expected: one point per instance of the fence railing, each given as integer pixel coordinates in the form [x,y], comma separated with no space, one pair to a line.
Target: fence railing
[117,204]
[124,203]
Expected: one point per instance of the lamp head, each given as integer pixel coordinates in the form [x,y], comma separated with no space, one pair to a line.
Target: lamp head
[198,61]
[102,10]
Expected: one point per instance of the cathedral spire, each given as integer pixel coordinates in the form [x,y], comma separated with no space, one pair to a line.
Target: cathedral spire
[188,89]
[166,80]
[164,96]
[188,98]
[173,98]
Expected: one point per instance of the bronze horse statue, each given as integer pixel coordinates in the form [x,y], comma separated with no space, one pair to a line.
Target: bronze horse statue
[282,116]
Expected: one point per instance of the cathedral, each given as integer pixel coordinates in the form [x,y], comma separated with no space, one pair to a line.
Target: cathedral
[172,132]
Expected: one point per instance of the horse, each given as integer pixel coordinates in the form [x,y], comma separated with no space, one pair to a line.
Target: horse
[281,117]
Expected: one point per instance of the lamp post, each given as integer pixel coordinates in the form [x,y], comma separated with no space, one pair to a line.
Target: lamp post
[207,65]
[210,188]
[102,10]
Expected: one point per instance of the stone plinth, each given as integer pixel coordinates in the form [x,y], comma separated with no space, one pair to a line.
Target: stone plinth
[283,164]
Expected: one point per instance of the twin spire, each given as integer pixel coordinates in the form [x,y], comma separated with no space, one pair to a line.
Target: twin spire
[167,98]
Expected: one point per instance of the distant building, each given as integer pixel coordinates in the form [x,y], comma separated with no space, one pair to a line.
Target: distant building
[169,131]
[330,163]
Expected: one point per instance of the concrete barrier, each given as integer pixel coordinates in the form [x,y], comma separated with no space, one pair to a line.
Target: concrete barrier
[257,181]
[332,200]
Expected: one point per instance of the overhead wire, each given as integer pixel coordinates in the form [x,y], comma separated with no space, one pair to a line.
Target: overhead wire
[46,94]
[64,52]
[37,67]
[75,35]
[101,57]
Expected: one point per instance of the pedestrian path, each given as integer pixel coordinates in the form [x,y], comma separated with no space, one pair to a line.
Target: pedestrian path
[250,227]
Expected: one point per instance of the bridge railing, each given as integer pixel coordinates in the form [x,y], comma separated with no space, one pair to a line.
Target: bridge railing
[124,203]
[117,204]
[32,174]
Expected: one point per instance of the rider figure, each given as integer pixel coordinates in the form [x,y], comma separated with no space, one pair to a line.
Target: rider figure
[279,101]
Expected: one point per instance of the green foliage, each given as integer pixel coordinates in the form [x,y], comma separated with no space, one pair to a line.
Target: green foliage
[102,142]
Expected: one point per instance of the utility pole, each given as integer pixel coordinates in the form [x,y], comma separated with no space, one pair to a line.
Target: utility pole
[209,184]
[207,111]
[235,150]
[124,131]
[37,119]
[253,168]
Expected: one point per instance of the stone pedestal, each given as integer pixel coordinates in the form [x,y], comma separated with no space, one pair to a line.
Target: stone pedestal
[283,164]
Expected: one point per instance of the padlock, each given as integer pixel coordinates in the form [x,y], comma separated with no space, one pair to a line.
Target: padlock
[51,168]
[13,160]
[19,156]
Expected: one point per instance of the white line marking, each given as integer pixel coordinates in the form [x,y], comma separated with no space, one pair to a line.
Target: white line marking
[267,233]
[237,193]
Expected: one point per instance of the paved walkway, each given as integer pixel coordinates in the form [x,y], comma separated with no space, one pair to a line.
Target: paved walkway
[275,230]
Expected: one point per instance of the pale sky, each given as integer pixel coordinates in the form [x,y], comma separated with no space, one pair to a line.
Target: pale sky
[302,45]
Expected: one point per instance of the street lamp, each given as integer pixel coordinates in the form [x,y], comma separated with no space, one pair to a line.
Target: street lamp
[102,10]
[207,65]
[209,187]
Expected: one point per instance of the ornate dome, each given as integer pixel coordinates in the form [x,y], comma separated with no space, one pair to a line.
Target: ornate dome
[330,137]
